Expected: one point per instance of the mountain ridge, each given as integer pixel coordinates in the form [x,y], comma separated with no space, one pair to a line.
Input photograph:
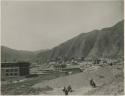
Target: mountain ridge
[97,43]
[107,42]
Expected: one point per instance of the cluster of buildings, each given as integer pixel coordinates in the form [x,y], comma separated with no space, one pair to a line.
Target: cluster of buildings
[58,65]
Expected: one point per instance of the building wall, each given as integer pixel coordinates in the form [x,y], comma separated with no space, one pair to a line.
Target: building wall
[24,71]
[14,69]
[9,72]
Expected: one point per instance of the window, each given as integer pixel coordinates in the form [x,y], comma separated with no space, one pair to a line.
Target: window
[15,74]
[7,74]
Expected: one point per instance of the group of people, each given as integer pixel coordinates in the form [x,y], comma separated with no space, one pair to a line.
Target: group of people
[67,90]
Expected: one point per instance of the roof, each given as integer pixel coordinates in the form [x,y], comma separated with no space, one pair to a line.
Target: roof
[14,64]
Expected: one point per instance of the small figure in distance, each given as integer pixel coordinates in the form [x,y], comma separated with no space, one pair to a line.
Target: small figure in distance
[69,88]
[92,83]
[65,91]
[111,64]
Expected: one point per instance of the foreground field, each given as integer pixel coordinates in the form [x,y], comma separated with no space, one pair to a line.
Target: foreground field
[109,81]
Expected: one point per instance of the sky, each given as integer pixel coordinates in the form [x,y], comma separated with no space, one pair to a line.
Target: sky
[35,25]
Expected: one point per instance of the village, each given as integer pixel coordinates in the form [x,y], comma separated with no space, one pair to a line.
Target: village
[58,65]
[21,73]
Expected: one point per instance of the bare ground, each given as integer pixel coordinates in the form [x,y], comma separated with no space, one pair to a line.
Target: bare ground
[109,80]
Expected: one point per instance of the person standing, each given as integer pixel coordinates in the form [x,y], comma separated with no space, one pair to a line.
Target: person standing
[92,83]
[69,88]
[65,91]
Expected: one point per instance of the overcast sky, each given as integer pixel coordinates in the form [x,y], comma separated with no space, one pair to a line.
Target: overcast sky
[35,25]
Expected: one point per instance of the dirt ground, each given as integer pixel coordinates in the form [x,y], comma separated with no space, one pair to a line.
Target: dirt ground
[109,81]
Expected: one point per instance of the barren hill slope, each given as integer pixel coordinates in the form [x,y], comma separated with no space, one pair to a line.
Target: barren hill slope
[108,42]
[98,43]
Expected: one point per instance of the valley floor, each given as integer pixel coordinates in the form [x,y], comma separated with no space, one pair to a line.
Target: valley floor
[109,81]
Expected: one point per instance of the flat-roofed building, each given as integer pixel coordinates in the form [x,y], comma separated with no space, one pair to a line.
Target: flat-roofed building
[14,69]
[59,67]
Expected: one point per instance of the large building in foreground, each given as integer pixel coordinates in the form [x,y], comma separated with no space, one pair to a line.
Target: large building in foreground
[14,69]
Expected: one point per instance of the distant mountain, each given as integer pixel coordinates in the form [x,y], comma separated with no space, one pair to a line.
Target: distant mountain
[12,55]
[108,42]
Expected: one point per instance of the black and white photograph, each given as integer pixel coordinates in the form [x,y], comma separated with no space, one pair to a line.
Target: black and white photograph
[62,47]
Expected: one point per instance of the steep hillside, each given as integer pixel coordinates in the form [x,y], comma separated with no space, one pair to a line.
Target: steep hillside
[98,43]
